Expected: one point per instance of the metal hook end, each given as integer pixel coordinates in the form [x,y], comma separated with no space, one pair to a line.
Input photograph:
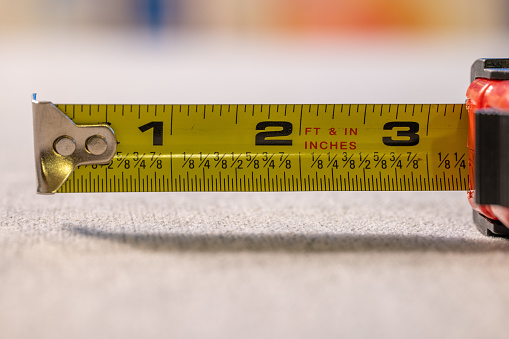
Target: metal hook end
[60,145]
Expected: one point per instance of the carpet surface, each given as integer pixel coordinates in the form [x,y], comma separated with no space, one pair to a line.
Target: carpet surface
[230,265]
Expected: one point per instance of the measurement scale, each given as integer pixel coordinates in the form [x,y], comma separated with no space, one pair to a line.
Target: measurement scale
[252,148]
[178,148]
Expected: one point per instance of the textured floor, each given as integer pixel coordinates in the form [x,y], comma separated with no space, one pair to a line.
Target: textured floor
[296,265]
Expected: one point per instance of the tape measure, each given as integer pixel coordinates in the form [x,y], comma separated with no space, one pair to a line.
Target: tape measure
[255,148]
[265,148]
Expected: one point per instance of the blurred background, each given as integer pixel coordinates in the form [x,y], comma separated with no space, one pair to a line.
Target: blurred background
[331,17]
[255,50]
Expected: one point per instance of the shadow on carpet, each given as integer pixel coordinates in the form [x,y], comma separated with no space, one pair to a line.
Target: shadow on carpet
[294,242]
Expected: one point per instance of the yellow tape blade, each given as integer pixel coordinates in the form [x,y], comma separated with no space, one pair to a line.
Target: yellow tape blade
[165,148]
